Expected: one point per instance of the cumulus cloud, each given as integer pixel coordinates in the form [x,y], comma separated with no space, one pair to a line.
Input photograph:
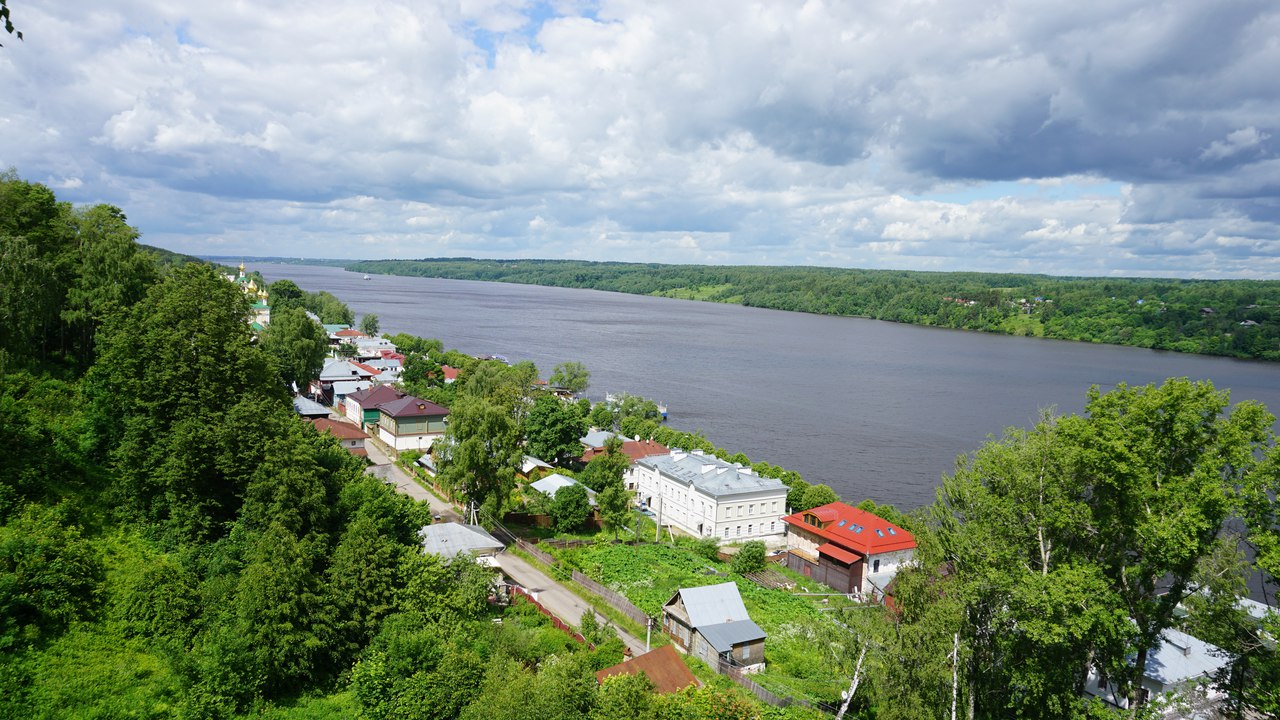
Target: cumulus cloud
[1103,137]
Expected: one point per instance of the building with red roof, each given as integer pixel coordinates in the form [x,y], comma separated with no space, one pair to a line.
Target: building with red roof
[847,548]
[349,436]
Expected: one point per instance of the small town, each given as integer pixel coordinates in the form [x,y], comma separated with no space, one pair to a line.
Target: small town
[788,541]
[661,360]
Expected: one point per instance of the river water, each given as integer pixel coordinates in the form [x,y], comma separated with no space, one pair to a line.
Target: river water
[873,409]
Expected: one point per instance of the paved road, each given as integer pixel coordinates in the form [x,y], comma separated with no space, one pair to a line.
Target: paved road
[554,596]
[557,598]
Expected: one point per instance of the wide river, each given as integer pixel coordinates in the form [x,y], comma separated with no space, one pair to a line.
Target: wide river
[873,409]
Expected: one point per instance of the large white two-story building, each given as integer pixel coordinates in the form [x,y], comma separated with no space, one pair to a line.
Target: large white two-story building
[705,496]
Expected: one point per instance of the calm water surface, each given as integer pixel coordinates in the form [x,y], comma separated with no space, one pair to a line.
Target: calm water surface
[873,409]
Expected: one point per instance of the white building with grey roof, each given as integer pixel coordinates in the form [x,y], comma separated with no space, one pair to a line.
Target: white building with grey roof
[705,496]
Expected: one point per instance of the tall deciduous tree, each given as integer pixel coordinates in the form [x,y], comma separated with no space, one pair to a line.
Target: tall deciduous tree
[607,468]
[369,325]
[1073,543]
[480,451]
[572,376]
[615,507]
[1161,464]
[112,273]
[553,429]
[298,344]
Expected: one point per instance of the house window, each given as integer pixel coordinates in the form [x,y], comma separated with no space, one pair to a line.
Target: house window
[749,529]
[751,509]
[726,532]
[746,652]
[775,506]
[875,565]
[739,531]
[771,526]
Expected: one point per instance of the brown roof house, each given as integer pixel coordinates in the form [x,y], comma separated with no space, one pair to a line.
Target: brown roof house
[411,423]
[349,436]
[662,666]
[710,622]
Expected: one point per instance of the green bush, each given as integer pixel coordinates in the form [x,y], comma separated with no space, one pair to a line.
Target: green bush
[750,558]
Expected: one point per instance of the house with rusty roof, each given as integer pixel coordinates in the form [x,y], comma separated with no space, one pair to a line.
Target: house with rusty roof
[662,666]
[633,449]
[710,622]
[847,548]
[350,437]
[705,496]
[411,423]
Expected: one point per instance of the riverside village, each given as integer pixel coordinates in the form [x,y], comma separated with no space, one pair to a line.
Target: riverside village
[704,568]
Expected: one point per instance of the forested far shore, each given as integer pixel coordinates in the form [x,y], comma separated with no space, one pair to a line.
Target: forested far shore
[1233,318]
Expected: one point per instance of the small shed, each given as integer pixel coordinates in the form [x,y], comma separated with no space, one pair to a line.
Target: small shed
[710,622]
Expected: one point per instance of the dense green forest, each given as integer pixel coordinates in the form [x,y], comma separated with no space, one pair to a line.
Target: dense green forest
[1236,318]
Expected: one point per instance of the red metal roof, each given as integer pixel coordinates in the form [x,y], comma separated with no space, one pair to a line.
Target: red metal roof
[450,373]
[367,368]
[833,550]
[853,529]
[349,332]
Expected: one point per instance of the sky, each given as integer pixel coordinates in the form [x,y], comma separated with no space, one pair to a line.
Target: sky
[1092,137]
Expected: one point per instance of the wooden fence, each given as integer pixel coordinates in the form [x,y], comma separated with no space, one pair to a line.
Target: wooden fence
[618,602]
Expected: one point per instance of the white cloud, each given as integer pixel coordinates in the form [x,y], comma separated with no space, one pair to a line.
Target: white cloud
[1085,139]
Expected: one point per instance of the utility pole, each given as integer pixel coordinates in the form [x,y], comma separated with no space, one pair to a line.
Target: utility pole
[648,630]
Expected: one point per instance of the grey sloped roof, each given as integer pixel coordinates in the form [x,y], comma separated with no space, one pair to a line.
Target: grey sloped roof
[551,484]
[725,635]
[596,438]
[709,474]
[450,539]
[713,604]
[346,387]
[1180,657]
[309,407]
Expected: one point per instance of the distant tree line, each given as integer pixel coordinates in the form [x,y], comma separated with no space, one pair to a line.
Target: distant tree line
[1235,318]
